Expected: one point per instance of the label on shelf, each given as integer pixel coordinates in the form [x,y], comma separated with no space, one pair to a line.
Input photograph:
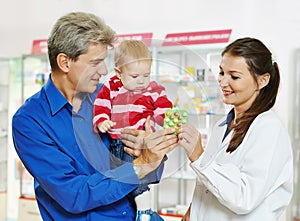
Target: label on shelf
[39,46]
[200,37]
[145,37]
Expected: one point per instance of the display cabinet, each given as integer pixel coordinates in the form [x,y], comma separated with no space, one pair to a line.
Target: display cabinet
[189,74]
[35,72]
[295,132]
[4,95]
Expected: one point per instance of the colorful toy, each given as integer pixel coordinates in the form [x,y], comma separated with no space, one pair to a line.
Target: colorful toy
[175,119]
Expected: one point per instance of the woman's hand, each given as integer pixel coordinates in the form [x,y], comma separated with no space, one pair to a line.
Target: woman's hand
[190,139]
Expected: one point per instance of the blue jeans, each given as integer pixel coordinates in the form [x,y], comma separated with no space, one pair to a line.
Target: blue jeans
[152,215]
[116,147]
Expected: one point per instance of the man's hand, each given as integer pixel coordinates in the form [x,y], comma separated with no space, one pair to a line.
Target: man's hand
[156,146]
[149,147]
[133,140]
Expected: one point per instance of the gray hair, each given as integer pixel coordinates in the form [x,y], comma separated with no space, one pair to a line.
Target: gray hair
[73,32]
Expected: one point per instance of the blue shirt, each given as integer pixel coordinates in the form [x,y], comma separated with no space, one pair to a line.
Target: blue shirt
[229,118]
[70,164]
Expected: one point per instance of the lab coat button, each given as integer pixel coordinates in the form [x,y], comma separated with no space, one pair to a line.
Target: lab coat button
[124,213]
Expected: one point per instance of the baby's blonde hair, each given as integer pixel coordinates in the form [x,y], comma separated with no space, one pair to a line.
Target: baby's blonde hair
[129,51]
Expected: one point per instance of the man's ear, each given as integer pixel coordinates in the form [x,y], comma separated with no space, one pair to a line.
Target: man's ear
[263,80]
[63,62]
[118,72]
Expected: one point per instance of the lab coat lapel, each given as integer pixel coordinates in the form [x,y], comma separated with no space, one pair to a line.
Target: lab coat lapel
[215,143]
[226,141]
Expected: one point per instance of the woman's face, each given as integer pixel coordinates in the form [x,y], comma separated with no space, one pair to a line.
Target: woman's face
[238,85]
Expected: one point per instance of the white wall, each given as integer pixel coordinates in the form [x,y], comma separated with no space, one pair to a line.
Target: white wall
[275,22]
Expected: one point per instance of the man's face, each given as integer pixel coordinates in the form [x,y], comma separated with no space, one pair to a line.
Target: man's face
[86,72]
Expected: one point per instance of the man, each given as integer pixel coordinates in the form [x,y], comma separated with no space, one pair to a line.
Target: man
[53,133]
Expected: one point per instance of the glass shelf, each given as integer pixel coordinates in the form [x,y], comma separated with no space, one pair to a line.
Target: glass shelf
[34,74]
[189,76]
[4,94]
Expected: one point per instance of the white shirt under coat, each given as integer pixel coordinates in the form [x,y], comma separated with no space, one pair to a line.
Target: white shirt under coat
[255,182]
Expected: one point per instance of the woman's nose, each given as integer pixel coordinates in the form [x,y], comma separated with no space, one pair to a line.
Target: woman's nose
[223,81]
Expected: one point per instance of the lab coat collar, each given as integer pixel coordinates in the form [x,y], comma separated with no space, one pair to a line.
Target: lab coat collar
[228,119]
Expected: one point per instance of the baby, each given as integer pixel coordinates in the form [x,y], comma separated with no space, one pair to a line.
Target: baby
[129,97]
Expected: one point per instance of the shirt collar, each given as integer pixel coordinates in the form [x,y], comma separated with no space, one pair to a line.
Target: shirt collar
[55,98]
[229,118]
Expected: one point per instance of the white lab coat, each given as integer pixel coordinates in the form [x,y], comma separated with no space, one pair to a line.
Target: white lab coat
[254,183]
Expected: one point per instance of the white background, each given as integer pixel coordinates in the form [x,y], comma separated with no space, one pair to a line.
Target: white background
[275,22]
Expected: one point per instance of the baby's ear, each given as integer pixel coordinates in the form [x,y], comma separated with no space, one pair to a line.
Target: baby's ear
[263,80]
[118,71]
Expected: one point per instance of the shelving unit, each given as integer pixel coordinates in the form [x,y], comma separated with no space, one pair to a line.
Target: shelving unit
[4,94]
[35,72]
[189,74]
[295,208]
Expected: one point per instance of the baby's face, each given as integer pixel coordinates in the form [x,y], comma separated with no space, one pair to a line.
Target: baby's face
[135,76]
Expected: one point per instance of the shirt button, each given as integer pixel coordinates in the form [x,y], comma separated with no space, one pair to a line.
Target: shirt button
[207,191]
[124,213]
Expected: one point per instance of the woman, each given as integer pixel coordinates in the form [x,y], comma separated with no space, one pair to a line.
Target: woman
[246,170]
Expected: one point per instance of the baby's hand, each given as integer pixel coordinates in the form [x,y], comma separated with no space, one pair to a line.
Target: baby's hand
[106,125]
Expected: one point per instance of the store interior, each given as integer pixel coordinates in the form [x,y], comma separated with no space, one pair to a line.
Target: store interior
[23,71]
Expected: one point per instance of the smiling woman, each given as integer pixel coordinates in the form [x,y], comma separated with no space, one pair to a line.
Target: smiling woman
[255,83]
[245,173]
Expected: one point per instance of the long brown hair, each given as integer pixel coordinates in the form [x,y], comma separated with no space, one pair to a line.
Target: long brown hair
[259,60]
